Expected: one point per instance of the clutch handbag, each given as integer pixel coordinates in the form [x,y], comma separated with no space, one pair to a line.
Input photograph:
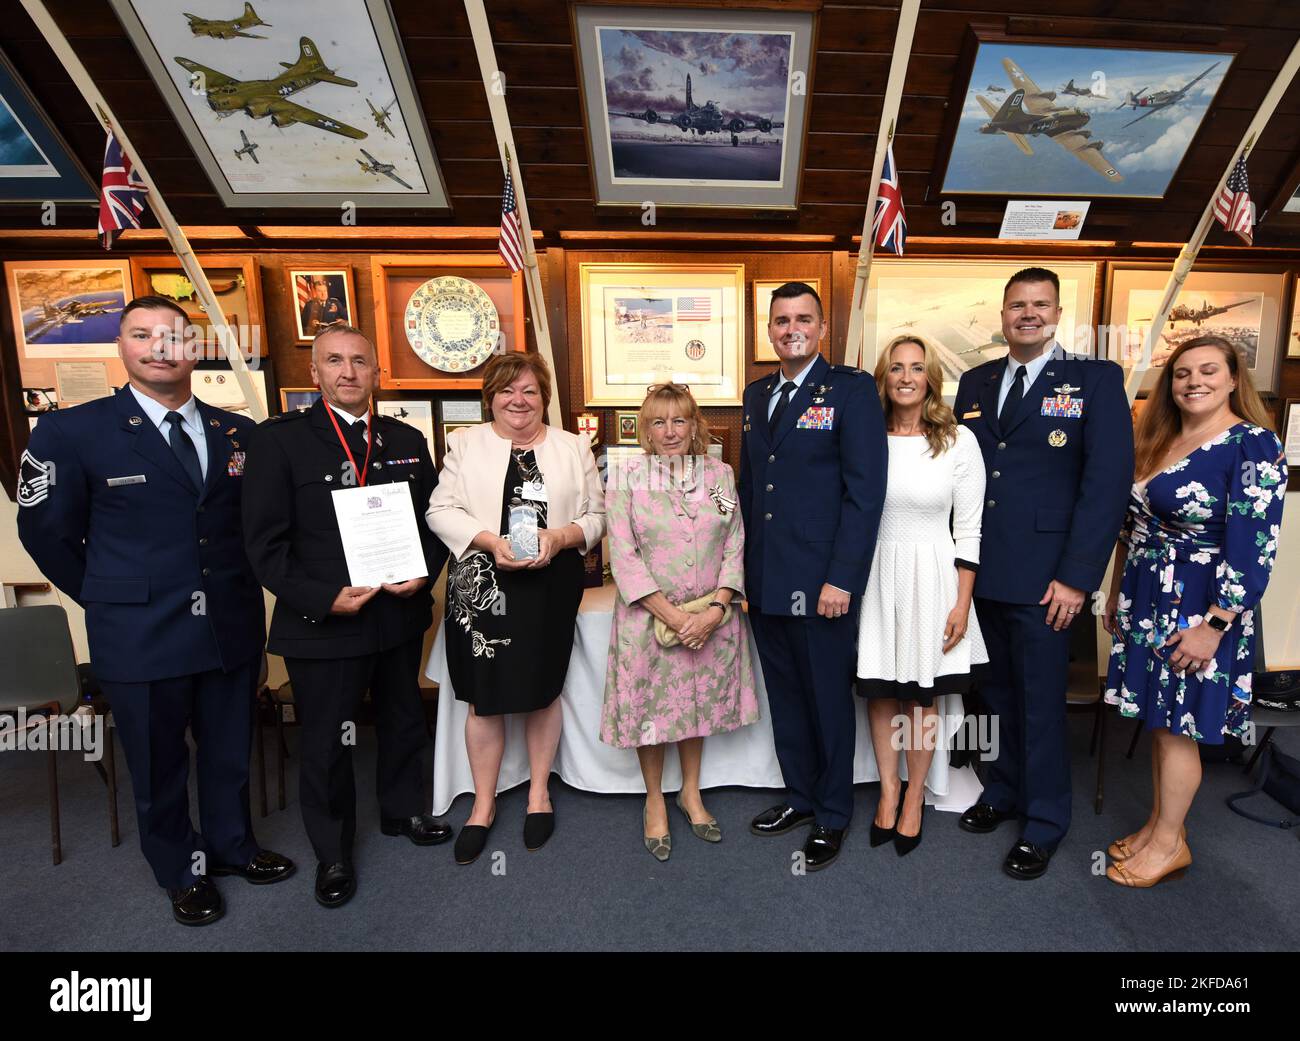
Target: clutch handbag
[666,637]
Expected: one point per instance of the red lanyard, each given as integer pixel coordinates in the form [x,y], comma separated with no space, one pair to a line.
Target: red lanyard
[370,443]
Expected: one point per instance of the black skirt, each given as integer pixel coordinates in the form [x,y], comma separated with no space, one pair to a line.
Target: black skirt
[509,634]
[956,683]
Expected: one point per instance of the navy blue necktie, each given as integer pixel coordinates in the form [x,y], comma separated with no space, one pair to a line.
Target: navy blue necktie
[1014,396]
[781,403]
[184,449]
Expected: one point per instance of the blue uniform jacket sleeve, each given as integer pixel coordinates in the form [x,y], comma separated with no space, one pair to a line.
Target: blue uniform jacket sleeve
[864,464]
[54,507]
[1105,485]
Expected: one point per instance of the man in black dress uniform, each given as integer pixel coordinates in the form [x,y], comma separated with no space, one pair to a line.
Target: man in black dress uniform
[338,640]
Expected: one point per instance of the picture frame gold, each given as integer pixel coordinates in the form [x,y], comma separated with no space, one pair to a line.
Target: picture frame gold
[761,298]
[394,280]
[652,323]
[292,398]
[626,428]
[238,286]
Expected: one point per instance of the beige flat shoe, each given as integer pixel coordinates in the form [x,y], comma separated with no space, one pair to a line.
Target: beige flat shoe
[1175,869]
[1120,849]
[708,831]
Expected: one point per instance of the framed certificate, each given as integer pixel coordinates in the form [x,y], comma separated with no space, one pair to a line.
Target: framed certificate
[654,323]
[438,319]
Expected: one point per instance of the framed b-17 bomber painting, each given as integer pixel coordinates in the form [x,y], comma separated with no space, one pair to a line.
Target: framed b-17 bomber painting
[1076,119]
[701,109]
[291,104]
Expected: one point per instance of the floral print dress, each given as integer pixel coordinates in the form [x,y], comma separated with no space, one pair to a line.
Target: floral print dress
[1202,532]
[685,542]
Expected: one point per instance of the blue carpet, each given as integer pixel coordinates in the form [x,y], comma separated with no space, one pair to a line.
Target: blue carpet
[594,886]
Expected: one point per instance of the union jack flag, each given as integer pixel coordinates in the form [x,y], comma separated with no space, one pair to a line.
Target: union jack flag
[890,222]
[121,199]
[1233,208]
[511,242]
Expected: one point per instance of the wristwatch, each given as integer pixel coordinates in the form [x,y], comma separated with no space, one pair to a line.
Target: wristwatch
[1215,622]
[719,605]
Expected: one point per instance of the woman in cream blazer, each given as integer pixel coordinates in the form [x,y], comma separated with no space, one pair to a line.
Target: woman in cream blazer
[510,619]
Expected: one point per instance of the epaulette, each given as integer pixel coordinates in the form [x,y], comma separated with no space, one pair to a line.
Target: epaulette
[295,413]
[849,369]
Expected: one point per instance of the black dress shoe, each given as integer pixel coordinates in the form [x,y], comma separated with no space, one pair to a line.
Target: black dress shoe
[778,820]
[471,842]
[266,867]
[904,844]
[822,847]
[983,818]
[199,904]
[335,884]
[879,835]
[1026,861]
[421,829]
[538,827]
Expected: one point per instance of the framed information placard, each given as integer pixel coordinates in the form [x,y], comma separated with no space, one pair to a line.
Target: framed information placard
[438,319]
[655,323]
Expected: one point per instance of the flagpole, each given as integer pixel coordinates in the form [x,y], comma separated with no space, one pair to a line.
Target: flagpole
[494,86]
[888,118]
[179,243]
[1187,255]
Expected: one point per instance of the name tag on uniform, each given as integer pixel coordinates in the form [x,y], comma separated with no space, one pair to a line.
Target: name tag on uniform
[534,490]
[818,417]
[1062,406]
[117,482]
[972,414]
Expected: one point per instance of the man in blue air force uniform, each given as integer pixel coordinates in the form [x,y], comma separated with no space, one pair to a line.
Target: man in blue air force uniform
[131,505]
[1058,450]
[812,486]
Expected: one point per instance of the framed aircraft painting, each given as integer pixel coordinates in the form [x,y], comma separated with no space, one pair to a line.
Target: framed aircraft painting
[703,109]
[956,307]
[36,164]
[292,104]
[1076,118]
[1243,305]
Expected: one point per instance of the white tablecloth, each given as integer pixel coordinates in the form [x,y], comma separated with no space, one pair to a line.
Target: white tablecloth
[745,757]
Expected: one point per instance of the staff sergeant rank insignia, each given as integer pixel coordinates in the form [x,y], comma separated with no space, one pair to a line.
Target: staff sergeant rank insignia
[34,480]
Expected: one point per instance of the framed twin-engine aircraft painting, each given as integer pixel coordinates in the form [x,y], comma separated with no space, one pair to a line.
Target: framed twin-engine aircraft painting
[292,104]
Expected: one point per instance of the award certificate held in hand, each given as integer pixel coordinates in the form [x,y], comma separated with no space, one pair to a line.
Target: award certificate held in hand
[381,542]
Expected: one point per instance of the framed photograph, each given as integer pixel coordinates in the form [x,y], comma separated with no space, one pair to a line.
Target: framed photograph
[322,298]
[956,307]
[36,164]
[1080,118]
[67,309]
[296,398]
[235,281]
[438,319]
[418,414]
[1291,438]
[313,106]
[220,388]
[1239,304]
[762,297]
[652,323]
[625,428]
[695,108]
[1293,329]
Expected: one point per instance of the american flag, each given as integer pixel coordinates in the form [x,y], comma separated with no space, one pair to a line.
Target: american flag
[302,289]
[890,221]
[511,242]
[1233,208]
[694,309]
[121,199]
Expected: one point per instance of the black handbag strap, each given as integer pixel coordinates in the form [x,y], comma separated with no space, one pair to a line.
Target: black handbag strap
[1265,765]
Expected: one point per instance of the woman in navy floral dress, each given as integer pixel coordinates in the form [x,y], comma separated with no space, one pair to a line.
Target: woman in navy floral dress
[1195,555]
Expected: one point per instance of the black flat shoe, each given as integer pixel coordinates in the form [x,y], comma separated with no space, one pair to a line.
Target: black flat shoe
[538,827]
[336,884]
[982,818]
[778,820]
[421,829]
[1026,861]
[822,847]
[199,904]
[471,842]
[904,844]
[263,870]
[879,835]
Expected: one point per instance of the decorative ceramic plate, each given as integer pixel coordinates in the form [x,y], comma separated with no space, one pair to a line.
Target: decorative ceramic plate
[452,324]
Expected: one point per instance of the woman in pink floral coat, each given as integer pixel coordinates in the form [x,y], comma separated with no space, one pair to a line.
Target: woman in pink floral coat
[675,536]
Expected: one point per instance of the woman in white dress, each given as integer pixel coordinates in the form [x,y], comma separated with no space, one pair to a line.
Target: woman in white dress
[918,638]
